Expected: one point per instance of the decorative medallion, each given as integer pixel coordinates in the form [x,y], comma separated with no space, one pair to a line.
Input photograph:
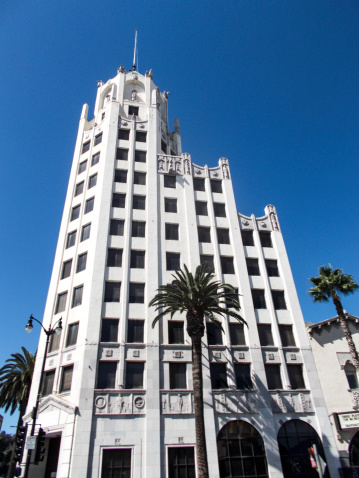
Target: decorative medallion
[139,402]
[100,402]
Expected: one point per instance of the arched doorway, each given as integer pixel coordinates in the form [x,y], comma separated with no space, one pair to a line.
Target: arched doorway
[295,438]
[241,451]
[354,450]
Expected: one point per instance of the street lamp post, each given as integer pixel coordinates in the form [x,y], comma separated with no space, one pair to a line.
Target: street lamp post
[56,329]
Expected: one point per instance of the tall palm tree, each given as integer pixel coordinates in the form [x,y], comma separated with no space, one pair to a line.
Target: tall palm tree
[15,383]
[328,285]
[199,296]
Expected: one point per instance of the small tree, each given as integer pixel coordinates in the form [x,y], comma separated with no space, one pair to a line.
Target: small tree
[199,296]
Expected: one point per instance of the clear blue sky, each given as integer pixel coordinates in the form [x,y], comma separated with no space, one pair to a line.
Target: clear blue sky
[271,85]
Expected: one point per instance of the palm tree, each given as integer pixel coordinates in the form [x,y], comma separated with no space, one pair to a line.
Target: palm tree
[328,285]
[199,296]
[15,383]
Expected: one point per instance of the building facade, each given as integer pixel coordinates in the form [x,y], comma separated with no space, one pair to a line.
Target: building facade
[117,393]
[340,385]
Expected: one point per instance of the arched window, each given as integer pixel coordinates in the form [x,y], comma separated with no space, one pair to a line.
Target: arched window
[295,438]
[241,451]
[351,375]
[354,450]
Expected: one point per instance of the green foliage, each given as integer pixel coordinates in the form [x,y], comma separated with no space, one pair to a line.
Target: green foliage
[331,281]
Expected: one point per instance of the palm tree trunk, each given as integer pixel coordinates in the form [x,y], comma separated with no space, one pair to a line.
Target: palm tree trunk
[346,331]
[201,449]
[12,464]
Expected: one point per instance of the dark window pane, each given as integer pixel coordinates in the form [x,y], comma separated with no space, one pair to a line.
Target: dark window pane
[112,291]
[178,377]
[139,178]
[253,267]
[181,462]
[273,376]
[114,257]
[72,332]
[85,233]
[227,265]
[141,136]
[122,153]
[201,208]
[163,146]
[109,330]
[116,227]
[237,334]
[48,382]
[82,167]
[139,202]
[138,228]
[135,330]
[98,139]
[169,182]
[219,209]
[106,375]
[85,147]
[54,342]
[198,184]
[218,375]
[120,175]
[171,232]
[278,299]
[223,236]
[175,332]
[61,302]
[272,268]
[71,239]
[75,213]
[118,200]
[95,159]
[259,301]
[265,238]
[243,376]
[66,269]
[172,261]
[170,205]
[140,156]
[208,259]
[286,335]
[133,110]
[204,234]
[351,374]
[123,134]
[81,262]
[137,259]
[137,293]
[89,205]
[92,181]
[216,186]
[116,463]
[79,188]
[265,334]
[247,238]
[296,379]
[134,374]
[214,334]
[77,296]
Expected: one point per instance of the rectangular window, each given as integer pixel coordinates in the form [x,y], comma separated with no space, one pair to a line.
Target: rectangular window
[175,332]
[286,335]
[170,205]
[106,375]
[137,293]
[123,134]
[77,296]
[259,301]
[265,334]
[71,239]
[89,205]
[75,213]
[198,184]
[112,291]
[247,238]
[135,329]
[114,257]
[98,139]
[116,227]
[109,330]
[116,463]
[243,376]
[171,232]
[274,379]
[272,268]
[169,181]
[236,332]
[139,202]
[253,267]
[82,167]
[208,259]
[223,236]
[201,208]
[227,265]
[229,300]
[141,136]
[72,332]
[172,261]
[295,373]
[218,375]
[85,233]
[163,146]
[214,334]
[219,209]
[139,178]
[81,262]
[265,238]
[66,269]
[178,378]
[61,303]
[138,229]
[204,234]
[140,156]
[120,175]
[216,186]
[95,159]
[138,259]
[133,110]
[134,374]
[85,147]
[54,342]
[181,462]
[122,153]
[66,379]
[279,300]
[118,200]
[92,181]
[79,188]
[48,383]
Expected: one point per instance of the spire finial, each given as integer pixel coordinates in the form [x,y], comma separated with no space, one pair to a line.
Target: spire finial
[134,53]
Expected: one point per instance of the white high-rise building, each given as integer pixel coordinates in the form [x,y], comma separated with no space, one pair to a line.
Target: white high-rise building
[117,393]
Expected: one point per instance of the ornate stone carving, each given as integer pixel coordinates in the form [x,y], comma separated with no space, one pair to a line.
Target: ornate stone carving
[177,354]
[270,356]
[245,222]
[149,73]
[285,402]
[69,357]
[115,403]
[198,171]
[355,399]
[121,69]
[99,83]
[273,218]
[293,356]
[173,403]
[263,224]
[124,123]
[186,167]
[51,362]
[241,355]
[108,353]
[142,126]
[133,95]
[225,169]
[217,355]
[135,353]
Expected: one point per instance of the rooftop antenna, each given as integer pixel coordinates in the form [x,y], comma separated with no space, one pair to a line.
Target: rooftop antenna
[134,53]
